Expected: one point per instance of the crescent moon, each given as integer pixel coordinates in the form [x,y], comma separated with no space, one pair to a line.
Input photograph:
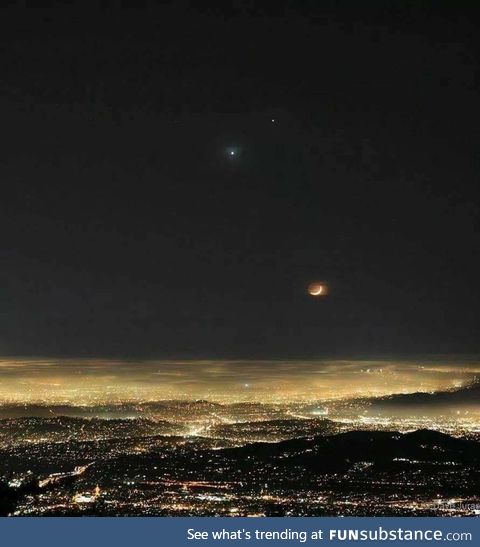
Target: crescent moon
[317,291]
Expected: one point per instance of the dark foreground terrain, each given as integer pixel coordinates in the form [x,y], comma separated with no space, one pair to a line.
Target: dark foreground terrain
[78,466]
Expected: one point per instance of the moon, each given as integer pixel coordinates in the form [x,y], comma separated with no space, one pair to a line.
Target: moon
[317,289]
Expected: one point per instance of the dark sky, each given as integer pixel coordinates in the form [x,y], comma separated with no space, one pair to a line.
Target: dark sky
[126,229]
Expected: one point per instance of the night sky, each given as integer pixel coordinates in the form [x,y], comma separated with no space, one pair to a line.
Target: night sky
[128,229]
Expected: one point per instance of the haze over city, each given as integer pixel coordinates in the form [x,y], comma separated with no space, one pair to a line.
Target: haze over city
[88,381]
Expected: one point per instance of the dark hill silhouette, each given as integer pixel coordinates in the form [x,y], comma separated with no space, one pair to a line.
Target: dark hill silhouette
[465,396]
[339,452]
